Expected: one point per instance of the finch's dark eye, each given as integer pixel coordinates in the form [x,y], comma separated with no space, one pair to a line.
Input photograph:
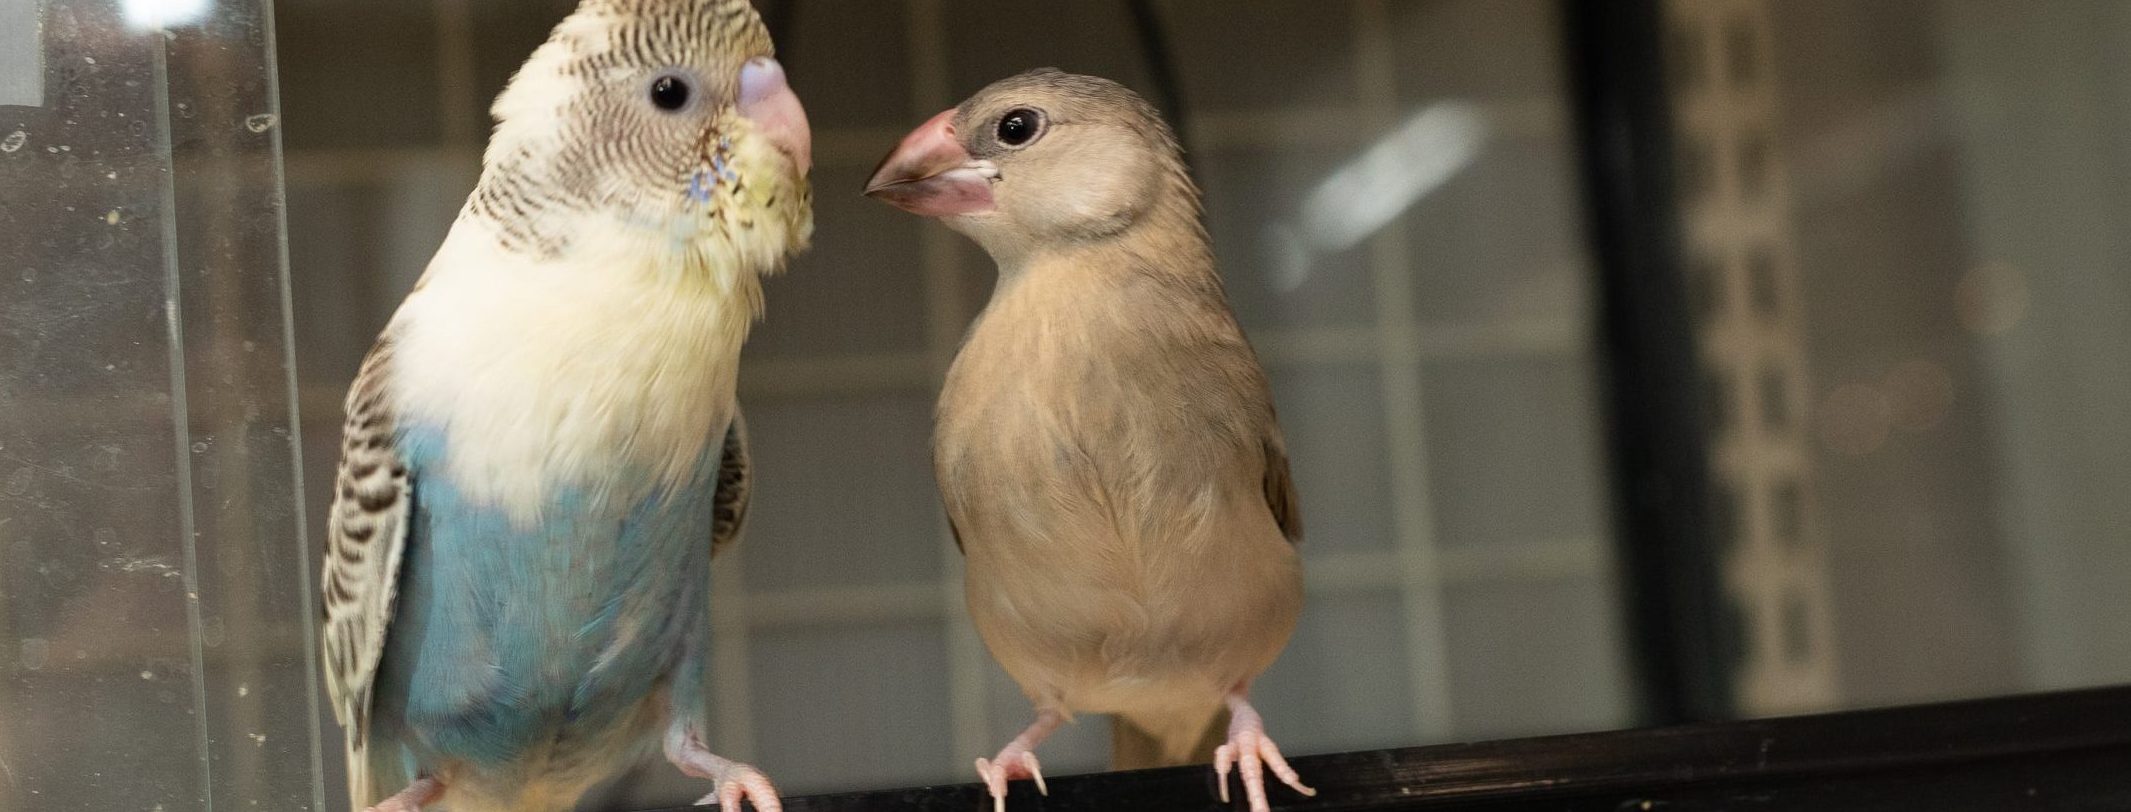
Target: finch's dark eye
[1018,127]
[670,93]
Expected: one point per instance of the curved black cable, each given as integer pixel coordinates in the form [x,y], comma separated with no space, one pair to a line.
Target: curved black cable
[1161,66]
[778,18]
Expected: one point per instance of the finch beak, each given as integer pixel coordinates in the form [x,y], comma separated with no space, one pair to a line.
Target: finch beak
[767,100]
[931,175]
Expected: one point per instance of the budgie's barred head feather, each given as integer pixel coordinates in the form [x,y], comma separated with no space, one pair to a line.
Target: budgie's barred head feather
[667,117]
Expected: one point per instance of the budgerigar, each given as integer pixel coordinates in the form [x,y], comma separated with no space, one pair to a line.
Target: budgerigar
[543,450]
[1106,442]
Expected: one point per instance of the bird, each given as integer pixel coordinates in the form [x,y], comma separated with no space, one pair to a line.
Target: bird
[543,449]
[1105,441]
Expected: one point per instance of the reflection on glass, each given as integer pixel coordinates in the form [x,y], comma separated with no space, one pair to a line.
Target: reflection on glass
[1906,218]
[1902,220]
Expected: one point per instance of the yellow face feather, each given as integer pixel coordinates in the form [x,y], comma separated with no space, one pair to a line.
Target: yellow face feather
[755,210]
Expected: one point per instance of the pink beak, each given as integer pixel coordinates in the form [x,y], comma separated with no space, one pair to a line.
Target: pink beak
[931,175]
[767,100]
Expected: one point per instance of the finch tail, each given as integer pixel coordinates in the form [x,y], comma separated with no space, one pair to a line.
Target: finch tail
[1144,741]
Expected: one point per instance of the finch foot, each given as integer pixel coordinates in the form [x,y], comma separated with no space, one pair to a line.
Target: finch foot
[736,782]
[411,798]
[1018,760]
[1250,752]
[1010,766]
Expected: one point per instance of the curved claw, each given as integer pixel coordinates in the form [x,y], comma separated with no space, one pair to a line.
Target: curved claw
[1035,770]
[994,782]
[1251,752]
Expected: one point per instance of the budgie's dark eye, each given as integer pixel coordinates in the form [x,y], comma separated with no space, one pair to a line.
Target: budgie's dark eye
[1019,126]
[670,93]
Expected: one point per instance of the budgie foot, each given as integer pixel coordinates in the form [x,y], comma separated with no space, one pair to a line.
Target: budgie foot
[736,782]
[412,798]
[1250,752]
[743,782]
[1018,759]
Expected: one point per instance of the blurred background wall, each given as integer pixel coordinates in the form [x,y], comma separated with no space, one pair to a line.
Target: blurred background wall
[1436,377]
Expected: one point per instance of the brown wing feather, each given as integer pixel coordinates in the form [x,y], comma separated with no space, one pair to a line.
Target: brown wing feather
[1280,490]
[366,534]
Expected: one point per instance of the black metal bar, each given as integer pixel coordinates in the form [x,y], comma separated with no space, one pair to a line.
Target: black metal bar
[1677,610]
[2049,751]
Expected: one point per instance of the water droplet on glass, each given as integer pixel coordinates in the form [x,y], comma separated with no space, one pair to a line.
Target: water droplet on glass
[147,675]
[111,217]
[199,448]
[14,141]
[35,651]
[260,123]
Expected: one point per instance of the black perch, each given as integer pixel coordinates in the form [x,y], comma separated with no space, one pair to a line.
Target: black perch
[2061,751]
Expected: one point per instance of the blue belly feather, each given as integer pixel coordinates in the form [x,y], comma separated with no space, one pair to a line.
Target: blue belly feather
[516,640]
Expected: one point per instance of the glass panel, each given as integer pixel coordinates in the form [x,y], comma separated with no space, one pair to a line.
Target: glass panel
[1901,225]
[156,630]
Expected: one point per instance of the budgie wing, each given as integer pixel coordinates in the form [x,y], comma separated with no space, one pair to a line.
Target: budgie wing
[735,480]
[365,536]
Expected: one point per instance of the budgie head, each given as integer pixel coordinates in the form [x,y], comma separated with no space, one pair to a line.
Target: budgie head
[660,125]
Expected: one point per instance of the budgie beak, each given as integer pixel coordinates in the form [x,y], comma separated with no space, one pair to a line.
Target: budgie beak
[767,100]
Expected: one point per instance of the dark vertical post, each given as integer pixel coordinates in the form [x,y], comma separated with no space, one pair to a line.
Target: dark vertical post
[1658,439]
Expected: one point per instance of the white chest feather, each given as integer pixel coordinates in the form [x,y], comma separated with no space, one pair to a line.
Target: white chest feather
[578,374]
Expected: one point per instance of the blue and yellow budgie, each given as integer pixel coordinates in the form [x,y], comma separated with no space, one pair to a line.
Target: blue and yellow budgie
[543,451]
